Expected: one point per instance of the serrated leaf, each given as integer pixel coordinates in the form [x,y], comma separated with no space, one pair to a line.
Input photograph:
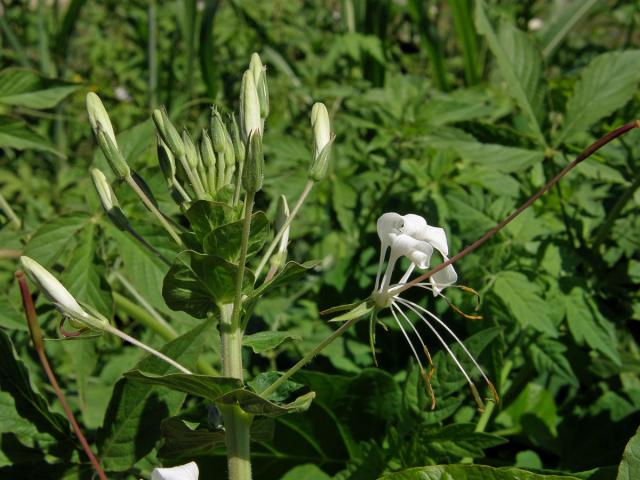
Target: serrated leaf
[203,386]
[520,64]
[520,295]
[268,340]
[264,380]
[196,283]
[132,423]
[205,216]
[15,133]
[629,468]
[225,241]
[10,317]
[458,440]
[547,355]
[605,85]
[254,404]
[469,472]
[51,240]
[25,88]
[560,24]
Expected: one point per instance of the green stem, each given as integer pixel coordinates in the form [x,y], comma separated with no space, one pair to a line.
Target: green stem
[8,211]
[285,225]
[145,318]
[153,209]
[246,227]
[307,358]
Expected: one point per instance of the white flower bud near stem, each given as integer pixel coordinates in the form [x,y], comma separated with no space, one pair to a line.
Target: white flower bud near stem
[259,72]
[106,195]
[249,106]
[98,116]
[188,471]
[53,289]
[322,140]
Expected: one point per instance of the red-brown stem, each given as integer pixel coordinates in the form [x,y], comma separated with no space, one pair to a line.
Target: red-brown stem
[586,153]
[36,337]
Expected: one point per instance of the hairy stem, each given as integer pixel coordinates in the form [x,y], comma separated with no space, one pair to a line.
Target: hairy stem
[36,338]
[276,239]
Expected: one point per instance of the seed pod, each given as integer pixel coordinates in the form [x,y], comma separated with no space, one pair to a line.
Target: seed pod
[168,132]
[253,174]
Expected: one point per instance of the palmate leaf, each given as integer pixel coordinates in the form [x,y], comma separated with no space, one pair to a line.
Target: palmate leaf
[629,468]
[25,88]
[225,241]
[560,24]
[15,133]
[605,85]
[470,472]
[520,64]
[205,216]
[132,423]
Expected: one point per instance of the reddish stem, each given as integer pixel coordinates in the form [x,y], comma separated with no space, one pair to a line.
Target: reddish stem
[36,337]
[586,153]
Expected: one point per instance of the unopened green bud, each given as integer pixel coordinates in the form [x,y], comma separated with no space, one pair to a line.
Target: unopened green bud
[259,72]
[190,152]
[249,107]
[206,150]
[110,150]
[253,173]
[108,199]
[98,115]
[229,151]
[218,132]
[167,161]
[322,142]
[168,132]
[238,145]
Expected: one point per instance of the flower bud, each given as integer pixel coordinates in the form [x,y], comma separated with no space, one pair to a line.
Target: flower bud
[253,173]
[322,142]
[249,107]
[259,72]
[190,152]
[168,132]
[60,296]
[206,150]
[111,152]
[218,132]
[238,146]
[188,471]
[166,161]
[108,200]
[98,115]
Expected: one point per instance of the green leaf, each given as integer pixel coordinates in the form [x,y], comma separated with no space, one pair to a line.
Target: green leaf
[196,283]
[520,295]
[547,355]
[264,380]
[10,317]
[605,85]
[84,278]
[307,471]
[291,271]
[588,326]
[51,240]
[457,440]
[469,472]
[533,401]
[268,340]
[225,241]
[15,381]
[360,311]
[520,64]
[132,423]
[629,468]
[254,404]
[560,24]
[15,133]
[205,216]
[203,386]
[25,88]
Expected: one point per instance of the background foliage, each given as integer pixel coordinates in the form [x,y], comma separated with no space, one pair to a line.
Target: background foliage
[458,110]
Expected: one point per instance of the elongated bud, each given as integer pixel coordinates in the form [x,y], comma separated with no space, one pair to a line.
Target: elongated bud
[229,150]
[98,115]
[322,142]
[167,161]
[60,296]
[206,150]
[249,107]
[259,72]
[168,132]
[282,215]
[111,152]
[190,152]
[108,200]
[238,145]
[218,132]
[253,173]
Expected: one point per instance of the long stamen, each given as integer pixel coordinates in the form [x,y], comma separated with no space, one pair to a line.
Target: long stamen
[472,385]
[413,349]
[450,303]
[444,325]
[425,376]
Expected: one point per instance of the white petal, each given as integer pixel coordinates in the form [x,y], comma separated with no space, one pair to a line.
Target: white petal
[387,224]
[52,288]
[442,279]
[413,225]
[188,471]
[418,252]
[436,236]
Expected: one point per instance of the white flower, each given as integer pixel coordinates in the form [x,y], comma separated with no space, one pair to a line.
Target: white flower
[53,289]
[410,236]
[188,471]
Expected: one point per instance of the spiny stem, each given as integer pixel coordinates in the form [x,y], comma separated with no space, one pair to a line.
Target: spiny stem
[246,227]
[285,225]
[586,153]
[307,358]
[153,209]
[36,338]
[144,346]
